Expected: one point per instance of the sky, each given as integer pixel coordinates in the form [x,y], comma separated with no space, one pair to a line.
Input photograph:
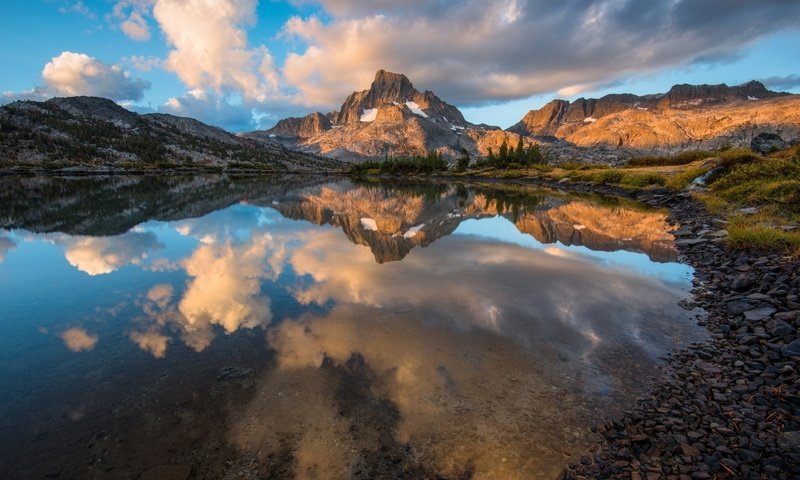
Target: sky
[244,64]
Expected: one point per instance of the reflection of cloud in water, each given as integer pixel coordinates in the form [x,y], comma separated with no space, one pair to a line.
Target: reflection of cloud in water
[102,255]
[151,341]
[226,284]
[160,295]
[456,410]
[496,356]
[78,340]
[224,289]
[6,245]
[543,301]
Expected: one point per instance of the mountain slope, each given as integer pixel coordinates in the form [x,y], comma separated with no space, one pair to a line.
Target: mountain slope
[688,116]
[390,118]
[91,132]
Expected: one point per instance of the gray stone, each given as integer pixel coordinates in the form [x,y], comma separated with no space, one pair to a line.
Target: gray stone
[766,143]
[789,441]
[749,210]
[230,373]
[791,349]
[779,328]
[758,314]
[738,307]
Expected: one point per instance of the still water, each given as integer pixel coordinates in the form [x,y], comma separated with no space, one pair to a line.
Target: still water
[302,327]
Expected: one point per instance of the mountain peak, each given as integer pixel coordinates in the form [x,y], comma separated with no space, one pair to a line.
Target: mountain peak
[390,87]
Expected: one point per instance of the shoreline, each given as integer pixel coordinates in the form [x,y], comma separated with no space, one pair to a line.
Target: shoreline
[728,407]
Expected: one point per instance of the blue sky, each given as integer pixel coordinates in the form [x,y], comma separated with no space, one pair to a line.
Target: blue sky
[241,64]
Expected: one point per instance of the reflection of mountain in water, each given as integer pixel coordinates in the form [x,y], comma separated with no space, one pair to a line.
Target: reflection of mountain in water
[390,219]
[391,228]
[115,204]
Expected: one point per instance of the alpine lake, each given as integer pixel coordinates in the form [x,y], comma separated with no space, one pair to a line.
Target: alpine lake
[312,327]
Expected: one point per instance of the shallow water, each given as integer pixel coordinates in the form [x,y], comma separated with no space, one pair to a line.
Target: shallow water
[299,327]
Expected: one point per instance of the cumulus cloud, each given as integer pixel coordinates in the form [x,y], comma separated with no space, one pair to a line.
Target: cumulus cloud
[210,48]
[78,340]
[71,74]
[471,52]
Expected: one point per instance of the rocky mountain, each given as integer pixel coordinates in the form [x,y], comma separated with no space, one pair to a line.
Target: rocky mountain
[687,116]
[390,118]
[98,134]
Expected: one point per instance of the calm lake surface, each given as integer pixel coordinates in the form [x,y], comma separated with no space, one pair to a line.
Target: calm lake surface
[303,327]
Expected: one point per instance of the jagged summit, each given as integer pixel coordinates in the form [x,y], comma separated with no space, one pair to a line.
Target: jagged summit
[391,117]
[390,89]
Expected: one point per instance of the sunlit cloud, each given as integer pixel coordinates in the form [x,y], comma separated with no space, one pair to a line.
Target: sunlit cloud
[71,74]
[210,48]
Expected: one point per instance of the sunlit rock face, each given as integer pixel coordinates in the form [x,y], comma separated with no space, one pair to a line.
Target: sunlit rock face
[706,116]
[390,118]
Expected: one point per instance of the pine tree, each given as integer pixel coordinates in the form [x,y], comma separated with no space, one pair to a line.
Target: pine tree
[463,161]
[519,154]
[503,155]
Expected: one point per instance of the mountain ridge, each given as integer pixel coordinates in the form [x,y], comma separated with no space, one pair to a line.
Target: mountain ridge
[393,118]
[98,134]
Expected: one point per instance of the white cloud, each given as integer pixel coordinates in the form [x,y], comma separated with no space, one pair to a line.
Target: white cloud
[71,74]
[210,47]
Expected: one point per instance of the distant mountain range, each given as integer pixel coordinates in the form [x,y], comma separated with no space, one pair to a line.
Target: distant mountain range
[98,134]
[393,118]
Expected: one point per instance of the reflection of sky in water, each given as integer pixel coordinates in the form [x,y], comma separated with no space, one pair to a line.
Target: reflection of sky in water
[502,229]
[485,310]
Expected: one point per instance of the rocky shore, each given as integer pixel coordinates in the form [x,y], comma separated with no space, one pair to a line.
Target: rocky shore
[728,407]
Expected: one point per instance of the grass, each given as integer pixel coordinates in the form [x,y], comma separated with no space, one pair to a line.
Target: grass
[740,179]
[681,180]
[761,233]
[682,158]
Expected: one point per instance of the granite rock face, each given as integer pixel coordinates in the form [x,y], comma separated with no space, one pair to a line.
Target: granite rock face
[391,118]
[688,116]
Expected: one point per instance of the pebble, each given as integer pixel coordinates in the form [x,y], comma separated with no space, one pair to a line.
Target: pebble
[728,407]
